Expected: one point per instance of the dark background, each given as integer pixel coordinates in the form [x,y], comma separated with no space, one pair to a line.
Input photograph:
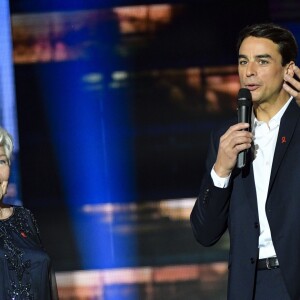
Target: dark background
[169,143]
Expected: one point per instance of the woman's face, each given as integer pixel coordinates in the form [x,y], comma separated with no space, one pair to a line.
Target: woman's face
[4,172]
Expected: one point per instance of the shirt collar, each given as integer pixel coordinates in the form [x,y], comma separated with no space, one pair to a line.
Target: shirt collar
[275,120]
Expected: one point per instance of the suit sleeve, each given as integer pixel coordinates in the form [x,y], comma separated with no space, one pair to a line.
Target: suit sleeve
[51,272]
[53,285]
[209,216]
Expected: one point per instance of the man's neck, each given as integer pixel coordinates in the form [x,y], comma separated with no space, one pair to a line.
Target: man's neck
[265,111]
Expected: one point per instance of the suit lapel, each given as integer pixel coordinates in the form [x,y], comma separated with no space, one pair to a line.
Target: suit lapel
[246,176]
[250,189]
[285,134]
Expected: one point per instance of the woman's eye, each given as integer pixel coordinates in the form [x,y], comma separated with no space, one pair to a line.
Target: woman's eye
[3,162]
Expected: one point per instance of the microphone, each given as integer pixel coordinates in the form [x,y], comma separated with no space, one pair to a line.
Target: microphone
[244,116]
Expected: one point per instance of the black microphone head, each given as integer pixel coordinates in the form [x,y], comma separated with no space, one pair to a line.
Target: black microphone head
[244,97]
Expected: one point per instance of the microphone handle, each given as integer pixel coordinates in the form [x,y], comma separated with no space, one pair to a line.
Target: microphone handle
[243,117]
[241,159]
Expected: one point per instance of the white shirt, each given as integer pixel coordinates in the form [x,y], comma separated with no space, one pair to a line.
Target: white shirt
[265,137]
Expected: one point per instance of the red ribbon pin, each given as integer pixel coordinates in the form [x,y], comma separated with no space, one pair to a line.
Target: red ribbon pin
[23,234]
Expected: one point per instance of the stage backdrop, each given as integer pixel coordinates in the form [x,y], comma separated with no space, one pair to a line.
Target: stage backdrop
[8,114]
[115,105]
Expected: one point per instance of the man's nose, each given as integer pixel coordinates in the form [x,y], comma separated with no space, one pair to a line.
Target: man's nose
[251,69]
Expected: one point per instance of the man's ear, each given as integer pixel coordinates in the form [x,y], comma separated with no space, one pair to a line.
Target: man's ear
[290,68]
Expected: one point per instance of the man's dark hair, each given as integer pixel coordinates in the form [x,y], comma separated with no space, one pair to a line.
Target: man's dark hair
[285,40]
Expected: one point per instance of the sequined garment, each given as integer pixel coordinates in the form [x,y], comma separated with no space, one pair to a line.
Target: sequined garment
[25,266]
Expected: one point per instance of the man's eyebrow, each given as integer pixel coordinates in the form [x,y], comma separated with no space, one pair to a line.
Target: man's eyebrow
[256,56]
[264,56]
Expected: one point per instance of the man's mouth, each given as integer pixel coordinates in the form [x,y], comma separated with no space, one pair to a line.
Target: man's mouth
[252,87]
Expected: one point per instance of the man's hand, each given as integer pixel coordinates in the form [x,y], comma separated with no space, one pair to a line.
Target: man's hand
[294,88]
[234,140]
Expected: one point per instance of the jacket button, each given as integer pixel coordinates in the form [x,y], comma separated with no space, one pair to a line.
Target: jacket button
[252,260]
[256,224]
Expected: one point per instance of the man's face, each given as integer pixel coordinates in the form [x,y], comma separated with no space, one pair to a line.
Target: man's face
[260,69]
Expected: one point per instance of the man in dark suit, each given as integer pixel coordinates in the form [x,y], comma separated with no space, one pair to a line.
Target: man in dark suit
[259,204]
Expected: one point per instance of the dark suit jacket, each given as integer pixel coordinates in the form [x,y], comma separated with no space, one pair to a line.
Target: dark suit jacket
[235,208]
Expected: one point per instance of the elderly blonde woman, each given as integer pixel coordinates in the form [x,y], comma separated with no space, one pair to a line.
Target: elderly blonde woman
[25,266]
